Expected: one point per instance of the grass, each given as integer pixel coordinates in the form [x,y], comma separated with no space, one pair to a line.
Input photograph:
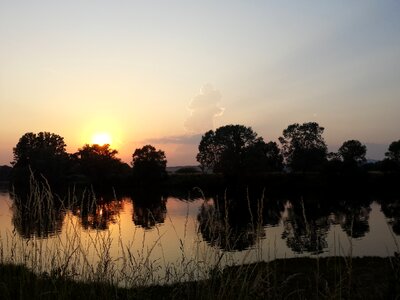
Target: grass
[37,266]
[295,278]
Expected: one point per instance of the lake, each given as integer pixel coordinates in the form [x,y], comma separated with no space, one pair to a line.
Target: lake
[170,238]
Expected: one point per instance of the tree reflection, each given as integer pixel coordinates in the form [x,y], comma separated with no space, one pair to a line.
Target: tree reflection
[236,224]
[37,215]
[98,212]
[272,212]
[352,213]
[391,210]
[149,209]
[305,228]
[353,220]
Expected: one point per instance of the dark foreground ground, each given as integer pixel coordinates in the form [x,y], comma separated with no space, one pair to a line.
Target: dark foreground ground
[298,278]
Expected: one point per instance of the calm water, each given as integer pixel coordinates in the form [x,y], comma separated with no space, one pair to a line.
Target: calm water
[170,230]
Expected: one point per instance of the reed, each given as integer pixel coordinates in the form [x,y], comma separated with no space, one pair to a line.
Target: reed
[95,265]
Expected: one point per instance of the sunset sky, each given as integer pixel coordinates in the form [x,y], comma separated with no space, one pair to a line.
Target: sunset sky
[164,72]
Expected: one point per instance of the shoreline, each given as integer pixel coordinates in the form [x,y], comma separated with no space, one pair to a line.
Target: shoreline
[300,278]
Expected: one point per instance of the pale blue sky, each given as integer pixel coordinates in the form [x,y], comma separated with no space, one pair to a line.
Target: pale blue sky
[135,68]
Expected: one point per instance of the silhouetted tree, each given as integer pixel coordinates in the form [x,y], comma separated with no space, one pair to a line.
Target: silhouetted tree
[334,163]
[263,157]
[352,151]
[100,164]
[149,165]
[392,160]
[303,146]
[394,151]
[235,149]
[44,153]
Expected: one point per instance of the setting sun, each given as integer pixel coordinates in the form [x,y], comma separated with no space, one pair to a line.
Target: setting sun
[101,138]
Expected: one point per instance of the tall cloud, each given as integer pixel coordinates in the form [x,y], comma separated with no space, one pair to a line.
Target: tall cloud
[204,108]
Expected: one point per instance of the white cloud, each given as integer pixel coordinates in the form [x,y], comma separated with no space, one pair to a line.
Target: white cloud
[204,108]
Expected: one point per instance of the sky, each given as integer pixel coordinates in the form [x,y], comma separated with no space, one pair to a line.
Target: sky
[165,72]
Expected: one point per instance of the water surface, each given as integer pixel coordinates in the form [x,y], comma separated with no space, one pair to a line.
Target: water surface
[172,231]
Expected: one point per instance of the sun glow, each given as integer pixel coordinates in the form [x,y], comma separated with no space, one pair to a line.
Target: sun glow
[101,138]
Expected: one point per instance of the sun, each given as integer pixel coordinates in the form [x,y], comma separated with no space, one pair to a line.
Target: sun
[101,138]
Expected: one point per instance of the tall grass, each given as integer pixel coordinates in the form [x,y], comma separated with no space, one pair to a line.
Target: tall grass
[98,256]
[199,271]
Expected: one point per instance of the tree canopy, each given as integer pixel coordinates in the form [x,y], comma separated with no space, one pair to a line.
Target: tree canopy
[394,151]
[352,151]
[44,153]
[149,165]
[32,148]
[303,146]
[99,163]
[234,149]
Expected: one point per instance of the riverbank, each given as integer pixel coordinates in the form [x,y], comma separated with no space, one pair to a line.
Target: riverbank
[296,278]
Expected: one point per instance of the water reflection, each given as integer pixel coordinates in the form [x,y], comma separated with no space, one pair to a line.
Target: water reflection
[149,209]
[37,216]
[99,214]
[305,228]
[391,209]
[354,220]
[231,222]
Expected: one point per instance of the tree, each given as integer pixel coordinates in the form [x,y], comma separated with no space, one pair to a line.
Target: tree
[32,147]
[394,151]
[100,164]
[392,160]
[264,157]
[303,146]
[96,152]
[353,152]
[44,153]
[235,149]
[149,165]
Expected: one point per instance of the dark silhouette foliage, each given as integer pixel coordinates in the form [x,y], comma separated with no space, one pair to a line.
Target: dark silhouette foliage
[352,151]
[36,212]
[394,151]
[264,157]
[5,173]
[99,164]
[187,170]
[149,165]
[98,212]
[303,146]
[43,153]
[391,163]
[149,209]
[236,149]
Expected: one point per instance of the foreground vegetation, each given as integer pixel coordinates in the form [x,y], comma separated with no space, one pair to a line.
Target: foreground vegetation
[296,278]
[99,265]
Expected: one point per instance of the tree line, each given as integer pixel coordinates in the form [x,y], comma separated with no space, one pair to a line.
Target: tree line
[236,149]
[230,150]
[43,156]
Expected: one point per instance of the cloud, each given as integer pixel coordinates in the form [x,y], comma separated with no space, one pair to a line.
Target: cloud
[192,139]
[204,108]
